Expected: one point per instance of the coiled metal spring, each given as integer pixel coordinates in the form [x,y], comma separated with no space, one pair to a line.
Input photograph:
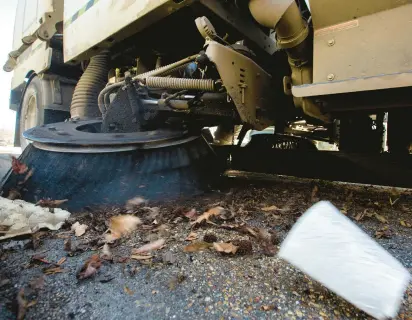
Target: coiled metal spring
[181,83]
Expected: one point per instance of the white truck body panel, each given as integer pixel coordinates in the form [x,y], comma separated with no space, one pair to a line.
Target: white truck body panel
[33,16]
[35,22]
[91,25]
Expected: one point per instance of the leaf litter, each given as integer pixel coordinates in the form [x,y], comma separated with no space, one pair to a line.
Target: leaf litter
[90,267]
[225,247]
[79,229]
[156,245]
[122,225]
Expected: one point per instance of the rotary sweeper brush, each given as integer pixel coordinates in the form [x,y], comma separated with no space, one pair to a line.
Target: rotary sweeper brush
[115,96]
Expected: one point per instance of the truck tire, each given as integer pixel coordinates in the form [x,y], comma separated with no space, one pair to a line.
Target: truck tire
[33,111]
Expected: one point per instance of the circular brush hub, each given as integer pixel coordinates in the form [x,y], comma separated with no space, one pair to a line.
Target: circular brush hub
[85,136]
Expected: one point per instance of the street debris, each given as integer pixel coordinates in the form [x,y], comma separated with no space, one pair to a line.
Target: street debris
[49,203]
[90,267]
[128,291]
[135,203]
[150,246]
[314,194]
[21,218]
[27,177]
[209,238]
[192,236]
[369,214]
[245,247]
[53,270]
[271,208]
[17,166]
[225,247]
[384,232]
[328,247]
[191,214]
[205,217]
[79,229]
[197,246]
[264,238]
[405,223]
[106,253]
[121,226]
[212,266]
[268,308]
[175,281]
[23,304]
[68,245]
[141,257]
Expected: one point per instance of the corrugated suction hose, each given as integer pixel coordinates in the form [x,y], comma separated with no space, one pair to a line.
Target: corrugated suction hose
[92,82]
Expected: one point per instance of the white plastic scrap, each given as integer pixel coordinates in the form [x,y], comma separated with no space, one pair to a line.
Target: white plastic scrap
[21,217]
[331,249]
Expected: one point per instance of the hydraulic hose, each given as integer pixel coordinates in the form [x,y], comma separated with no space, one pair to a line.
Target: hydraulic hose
[85,98]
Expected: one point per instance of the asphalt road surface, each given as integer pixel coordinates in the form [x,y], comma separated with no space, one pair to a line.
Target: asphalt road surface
[175,284]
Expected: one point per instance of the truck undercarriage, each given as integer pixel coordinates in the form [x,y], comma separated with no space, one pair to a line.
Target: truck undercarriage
[158,75]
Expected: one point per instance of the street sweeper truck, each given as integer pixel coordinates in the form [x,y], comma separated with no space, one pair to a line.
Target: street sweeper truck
[98,79]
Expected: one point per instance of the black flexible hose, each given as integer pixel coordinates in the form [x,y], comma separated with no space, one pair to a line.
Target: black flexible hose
[92,82]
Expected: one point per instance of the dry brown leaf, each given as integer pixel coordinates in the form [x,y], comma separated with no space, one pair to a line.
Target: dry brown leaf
[405,224]
[39,258]
[53,270]
[192,236]
[264,235]
[27,177]
[271,208]
[61,261]
[22,305]
[90,267]
[214,212]
[381,218]
[17,166]
[313,196]
[155,245]
[268,249]
[248,230]
[360,216]
[267,308]
[384,232]
[197,246]
[140,257]
[122,225]
[191,214]
[225,247]
[128,291]
[106,253]
[79,229]
[48,203]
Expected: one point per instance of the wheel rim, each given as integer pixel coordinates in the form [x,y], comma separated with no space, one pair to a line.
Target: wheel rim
[30,116]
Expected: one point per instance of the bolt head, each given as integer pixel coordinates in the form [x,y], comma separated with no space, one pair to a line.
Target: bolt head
[331,42]
[331,77]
